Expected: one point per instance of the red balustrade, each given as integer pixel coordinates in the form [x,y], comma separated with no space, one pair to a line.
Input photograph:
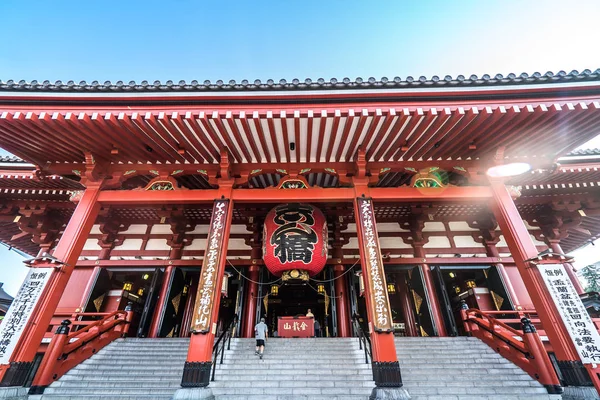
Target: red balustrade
[524,348]
[66,350]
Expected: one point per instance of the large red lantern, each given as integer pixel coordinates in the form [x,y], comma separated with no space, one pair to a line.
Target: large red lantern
[295,241]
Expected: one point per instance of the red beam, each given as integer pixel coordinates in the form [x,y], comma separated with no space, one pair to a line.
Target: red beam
[345,261]
[469,194]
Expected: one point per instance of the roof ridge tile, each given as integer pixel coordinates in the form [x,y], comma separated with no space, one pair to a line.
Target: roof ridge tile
[308,83]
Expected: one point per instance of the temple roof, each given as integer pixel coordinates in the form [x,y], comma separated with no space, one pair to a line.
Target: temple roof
[307,84]
[585,152]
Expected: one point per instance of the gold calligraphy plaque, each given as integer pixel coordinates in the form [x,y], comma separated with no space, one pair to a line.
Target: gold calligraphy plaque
[373,272]
[211,268]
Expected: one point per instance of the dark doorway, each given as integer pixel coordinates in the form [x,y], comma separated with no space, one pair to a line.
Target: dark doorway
[170,324]
[421,299]
[479,287]
[116,287]
[295,299]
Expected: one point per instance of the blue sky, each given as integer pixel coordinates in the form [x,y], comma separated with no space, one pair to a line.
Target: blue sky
[150,40]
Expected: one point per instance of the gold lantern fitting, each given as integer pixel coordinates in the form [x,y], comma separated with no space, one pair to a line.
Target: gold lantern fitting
[470,283]
[321,288]
[274,290]
[127,286]
[295,275]
[140,292]
[391,287]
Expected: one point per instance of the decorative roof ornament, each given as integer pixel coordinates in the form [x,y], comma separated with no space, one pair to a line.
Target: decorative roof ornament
[432,177]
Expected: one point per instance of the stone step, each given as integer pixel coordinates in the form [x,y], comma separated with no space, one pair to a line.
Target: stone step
[299,369]
[487,397]
[112,396]
[336,391]
[103,391]
[508,390]
[219,377]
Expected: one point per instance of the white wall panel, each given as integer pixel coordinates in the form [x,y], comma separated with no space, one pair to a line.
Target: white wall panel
[434,226]
[91,244]
[157,244]
[466,241]
[130,244]
[437,242]
[197,244]
[136,229]
[460,226]
[158,229]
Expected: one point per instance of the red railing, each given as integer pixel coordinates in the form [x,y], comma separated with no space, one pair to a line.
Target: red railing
[66,350]
[523,347]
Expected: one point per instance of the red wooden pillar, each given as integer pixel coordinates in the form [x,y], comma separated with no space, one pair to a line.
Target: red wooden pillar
[434,302]
[250,302]
[407,307]
[555,246]
[67,251]
[386,369]
[522,248]
[343,317]
[196,371]
[161,305]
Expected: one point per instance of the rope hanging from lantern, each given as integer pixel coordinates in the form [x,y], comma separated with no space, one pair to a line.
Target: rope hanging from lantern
[250,280]
[337,277]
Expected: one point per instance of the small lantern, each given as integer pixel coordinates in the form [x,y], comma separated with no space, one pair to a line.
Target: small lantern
[225,283]
[127,286]
[185,289]
[391,287]
[321,288]
[145,277]
[456,289]
[470,283]
[274,290]
[140,292]
[452,275]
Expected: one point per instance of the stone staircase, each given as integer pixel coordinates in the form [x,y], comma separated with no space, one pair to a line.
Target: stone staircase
[298,369]
[462,368]
[293,369]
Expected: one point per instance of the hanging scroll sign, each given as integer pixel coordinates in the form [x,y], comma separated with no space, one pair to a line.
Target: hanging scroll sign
[373,270]
[207,287]
[572,311]
[20,310]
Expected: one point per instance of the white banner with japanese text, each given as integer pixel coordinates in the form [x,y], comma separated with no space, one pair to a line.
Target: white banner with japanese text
[20,310]
[572,311]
